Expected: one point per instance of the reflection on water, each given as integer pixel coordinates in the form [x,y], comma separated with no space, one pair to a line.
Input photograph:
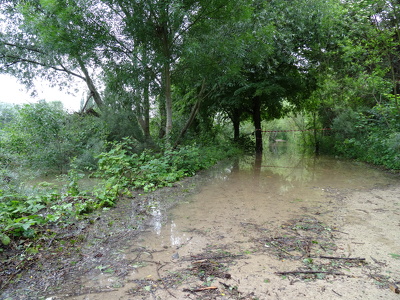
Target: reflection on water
[59,183]
[238,202]
[265,187]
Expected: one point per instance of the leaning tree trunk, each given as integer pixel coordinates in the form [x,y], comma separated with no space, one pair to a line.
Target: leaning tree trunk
[92,88]
[193,113]
[257,123]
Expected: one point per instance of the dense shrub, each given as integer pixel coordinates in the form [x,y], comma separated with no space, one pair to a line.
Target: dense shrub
[44,137]
[371,135]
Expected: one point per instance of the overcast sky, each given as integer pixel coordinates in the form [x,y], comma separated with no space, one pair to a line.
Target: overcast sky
[13,92]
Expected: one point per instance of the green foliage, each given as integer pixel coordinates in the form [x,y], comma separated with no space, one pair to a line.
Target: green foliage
[122,122]
[124,171]
[371,135]
[7,114]
[26,216]
[18,214]
[44,137]
[73,177]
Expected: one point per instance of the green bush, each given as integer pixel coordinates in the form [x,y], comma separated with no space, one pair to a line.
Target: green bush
[371,135]
[44,137]
[124,171]
[24,216]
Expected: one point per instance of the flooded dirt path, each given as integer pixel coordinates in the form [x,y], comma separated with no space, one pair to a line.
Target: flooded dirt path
[281,226]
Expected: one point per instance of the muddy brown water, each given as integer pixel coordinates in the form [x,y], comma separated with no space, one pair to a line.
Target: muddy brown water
[242,205]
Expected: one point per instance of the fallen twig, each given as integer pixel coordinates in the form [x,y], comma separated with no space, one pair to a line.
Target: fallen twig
[159,276]
[309,272]
[337,293]
[344,258]
[280,248]
[378,262]
[201,289]
[394,288]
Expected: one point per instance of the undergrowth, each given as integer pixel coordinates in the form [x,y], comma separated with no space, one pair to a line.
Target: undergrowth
[370,135]
[121,172]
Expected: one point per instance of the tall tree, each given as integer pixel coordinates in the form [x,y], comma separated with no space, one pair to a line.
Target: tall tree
[162,29]
[52,40]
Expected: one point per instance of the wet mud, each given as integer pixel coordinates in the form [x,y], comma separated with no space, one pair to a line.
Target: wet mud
[280,226]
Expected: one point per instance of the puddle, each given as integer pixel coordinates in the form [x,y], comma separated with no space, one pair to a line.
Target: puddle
[248,207]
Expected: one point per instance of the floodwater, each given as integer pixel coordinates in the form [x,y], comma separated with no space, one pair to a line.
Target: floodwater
[262,190]
[238,202]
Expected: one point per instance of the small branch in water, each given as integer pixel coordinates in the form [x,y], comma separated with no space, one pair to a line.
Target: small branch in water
[159,276]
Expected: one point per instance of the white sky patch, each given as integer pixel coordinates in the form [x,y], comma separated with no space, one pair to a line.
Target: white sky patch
[13,92]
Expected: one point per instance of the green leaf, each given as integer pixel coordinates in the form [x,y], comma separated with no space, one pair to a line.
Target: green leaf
[395,256]
[308,261]
[147,288]
[5,239]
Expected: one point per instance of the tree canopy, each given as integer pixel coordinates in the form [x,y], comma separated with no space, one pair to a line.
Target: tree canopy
[156,68]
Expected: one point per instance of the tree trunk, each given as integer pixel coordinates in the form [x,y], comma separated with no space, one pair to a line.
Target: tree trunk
[236,124]
[143,112]
[316,140]
[193,113]
[147,115]
[168,99]
[163,33]
[162,111]
[93,91]
[257,166]
[257,123]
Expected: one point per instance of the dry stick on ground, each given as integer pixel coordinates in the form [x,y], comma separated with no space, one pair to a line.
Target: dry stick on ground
[201,289]
[309,272]
[345,258]
[337,293]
